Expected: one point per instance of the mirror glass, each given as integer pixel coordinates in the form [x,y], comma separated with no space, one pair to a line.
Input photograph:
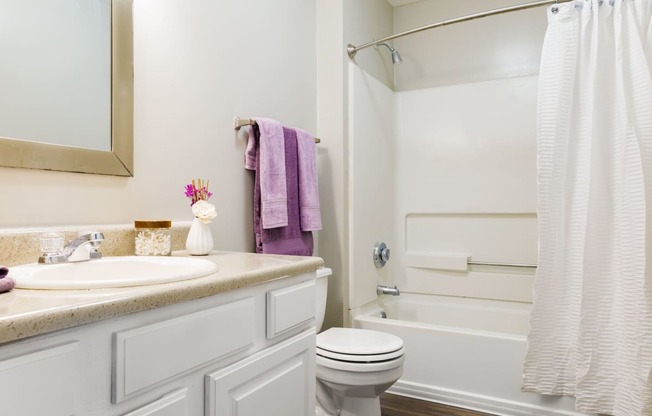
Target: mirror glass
[67,85]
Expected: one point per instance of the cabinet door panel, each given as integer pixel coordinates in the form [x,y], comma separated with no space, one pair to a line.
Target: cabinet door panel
[150,354]
[277,381]
[40,383]
[173,404]
[290,307]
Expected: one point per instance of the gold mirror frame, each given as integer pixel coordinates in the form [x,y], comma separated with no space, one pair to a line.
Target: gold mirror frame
[120,160]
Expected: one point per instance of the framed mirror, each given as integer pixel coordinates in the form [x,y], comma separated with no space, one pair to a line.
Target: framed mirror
[76,111]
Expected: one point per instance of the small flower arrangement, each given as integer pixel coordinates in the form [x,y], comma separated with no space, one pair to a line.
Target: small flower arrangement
[198,191]
[199,194]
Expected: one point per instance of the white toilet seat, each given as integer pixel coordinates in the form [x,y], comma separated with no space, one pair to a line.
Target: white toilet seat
[360,358]
[359,350]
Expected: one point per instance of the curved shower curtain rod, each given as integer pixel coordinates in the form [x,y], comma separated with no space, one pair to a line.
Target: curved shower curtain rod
[352,50]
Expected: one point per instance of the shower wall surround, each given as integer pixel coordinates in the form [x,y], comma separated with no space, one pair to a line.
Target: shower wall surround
[453,173]
[463,174]
[466,184]
[466,117]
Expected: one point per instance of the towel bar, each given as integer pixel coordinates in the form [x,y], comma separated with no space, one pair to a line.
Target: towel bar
[241,122]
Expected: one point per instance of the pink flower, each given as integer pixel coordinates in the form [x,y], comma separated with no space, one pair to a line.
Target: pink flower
[197,192]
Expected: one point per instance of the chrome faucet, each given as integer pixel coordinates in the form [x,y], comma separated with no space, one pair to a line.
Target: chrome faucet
[82,248]
[387,290]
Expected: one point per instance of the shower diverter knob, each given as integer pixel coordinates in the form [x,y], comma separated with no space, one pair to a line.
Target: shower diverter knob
[381,254]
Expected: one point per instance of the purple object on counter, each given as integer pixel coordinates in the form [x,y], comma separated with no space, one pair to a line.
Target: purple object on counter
[3,271]
[6,284]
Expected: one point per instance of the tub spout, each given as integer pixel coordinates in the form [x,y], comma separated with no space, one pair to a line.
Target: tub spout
[387,290]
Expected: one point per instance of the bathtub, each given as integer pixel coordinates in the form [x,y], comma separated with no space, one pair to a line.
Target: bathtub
[462,352]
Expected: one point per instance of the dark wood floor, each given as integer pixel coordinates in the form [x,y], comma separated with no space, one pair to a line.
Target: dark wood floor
[393,405]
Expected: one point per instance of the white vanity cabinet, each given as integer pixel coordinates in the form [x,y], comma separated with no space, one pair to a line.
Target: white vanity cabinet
[212,356]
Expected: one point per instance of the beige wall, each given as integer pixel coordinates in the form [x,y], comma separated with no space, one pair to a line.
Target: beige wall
[491,48]
[198,63]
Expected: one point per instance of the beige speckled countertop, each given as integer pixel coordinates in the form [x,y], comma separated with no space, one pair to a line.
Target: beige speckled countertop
[25,313]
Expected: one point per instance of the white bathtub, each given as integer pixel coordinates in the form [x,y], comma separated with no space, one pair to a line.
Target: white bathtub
[462,352]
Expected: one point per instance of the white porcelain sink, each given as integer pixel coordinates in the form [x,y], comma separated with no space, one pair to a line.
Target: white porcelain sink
[110,272]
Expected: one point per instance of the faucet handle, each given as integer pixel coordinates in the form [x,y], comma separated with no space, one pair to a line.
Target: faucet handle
[52,247]
[381,254]
[51,243]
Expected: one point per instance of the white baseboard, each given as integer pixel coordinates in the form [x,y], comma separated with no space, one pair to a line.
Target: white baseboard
[479,403]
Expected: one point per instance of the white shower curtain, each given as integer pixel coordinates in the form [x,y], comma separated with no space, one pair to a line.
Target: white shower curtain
[591,324]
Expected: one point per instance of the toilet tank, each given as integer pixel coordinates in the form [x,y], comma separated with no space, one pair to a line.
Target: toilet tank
[321,295]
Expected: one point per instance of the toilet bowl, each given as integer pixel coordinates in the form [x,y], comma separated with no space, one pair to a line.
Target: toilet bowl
[354,366]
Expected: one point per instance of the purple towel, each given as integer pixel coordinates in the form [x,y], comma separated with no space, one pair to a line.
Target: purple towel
[6,283]
[308,190]
[272,170]
[290,239]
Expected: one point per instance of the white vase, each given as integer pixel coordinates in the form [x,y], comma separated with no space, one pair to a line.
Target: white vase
[200,239]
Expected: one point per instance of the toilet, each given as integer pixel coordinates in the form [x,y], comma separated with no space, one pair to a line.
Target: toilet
[354,366]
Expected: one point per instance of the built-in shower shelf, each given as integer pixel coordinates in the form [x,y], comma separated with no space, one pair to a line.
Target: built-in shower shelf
[455,262]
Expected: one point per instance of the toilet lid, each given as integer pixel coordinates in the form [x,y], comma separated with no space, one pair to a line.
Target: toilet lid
[358,342]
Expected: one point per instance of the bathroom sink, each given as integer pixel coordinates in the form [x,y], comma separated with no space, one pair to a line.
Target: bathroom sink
[110,272]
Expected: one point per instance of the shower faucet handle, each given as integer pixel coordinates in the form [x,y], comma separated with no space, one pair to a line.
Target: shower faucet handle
[381,254]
